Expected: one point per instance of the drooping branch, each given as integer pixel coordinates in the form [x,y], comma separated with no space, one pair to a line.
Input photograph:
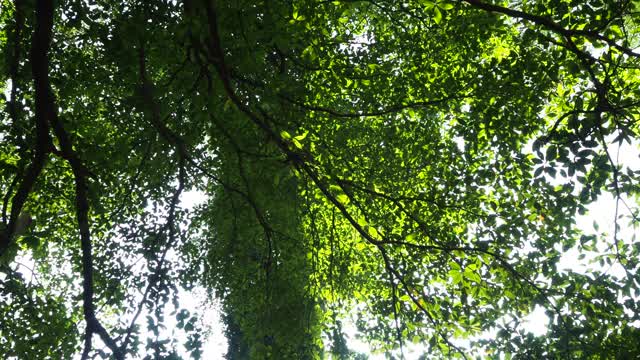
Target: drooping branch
[155,117]
[407,289]
[155,275]
[321,182]
[217,59]
[40,43]
[46,115]
[301,164]
[152,107]
[550,25]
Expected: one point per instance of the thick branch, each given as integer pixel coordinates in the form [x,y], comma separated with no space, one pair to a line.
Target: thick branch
[217,57]
[311,171]
[43,109]
[46,115]
[551,25]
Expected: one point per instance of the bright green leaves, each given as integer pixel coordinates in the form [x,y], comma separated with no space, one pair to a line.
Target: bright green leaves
[295,16]
[437,8]
[343,198]
[36,315]
[340,195]
[456,273]
[295,140]
[437,15]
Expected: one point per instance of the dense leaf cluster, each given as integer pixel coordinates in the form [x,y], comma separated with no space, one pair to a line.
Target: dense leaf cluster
[414,170]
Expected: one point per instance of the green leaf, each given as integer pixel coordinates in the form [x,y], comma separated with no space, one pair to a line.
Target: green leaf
[428,4]
[437,15]
[302,136]
[445,5]
[285,135]
[343,198]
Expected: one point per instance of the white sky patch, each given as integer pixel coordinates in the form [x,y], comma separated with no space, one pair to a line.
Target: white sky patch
[537,321]
[214,344]
[459,141]
[192,198]
[7,89]
[214,341]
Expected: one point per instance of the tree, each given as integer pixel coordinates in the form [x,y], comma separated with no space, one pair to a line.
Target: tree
[416,168]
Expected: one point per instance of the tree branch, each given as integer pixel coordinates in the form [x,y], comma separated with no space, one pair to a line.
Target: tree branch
[551,25]
[46,114]
[40,42]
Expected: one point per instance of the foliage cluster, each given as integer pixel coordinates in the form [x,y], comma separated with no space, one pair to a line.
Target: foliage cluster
[414,168]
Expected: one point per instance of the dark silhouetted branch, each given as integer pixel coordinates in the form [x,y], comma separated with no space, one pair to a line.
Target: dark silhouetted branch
[43,111]
[46,114]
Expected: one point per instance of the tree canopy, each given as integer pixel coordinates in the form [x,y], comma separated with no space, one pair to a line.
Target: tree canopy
[413,169]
